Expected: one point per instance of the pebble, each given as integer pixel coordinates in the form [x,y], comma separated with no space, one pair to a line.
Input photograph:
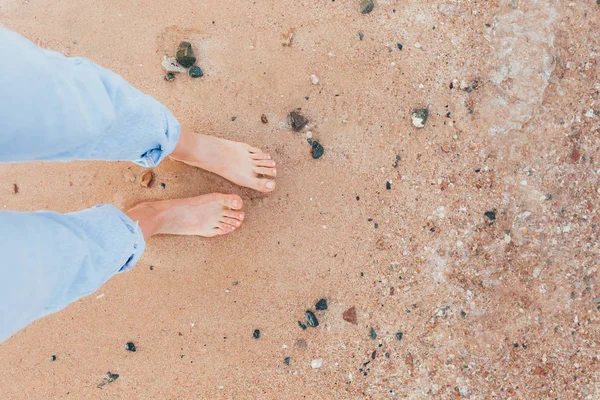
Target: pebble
[311,319]
[317,150]
[361,36]
[419,117]
[287,38]
[318,363]
[185,55]
[399,335]
[537,271]
[321,305]
[163,185]
[16,188]
[256,334]
[400,46]
[169,76]
[301,325]
[287,360]
[53,358]
[388,185]
[350,315]
[309,135]
[264,119]
[147,179]
[314,79]
[366,6]
[491,215]
[195,72]
[373,334]
[129,346]
[170,64]
[418,45]
[297,121]
[109,378]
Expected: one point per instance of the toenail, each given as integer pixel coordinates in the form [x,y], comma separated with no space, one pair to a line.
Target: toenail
[269,185]
[236,203]
[238,223]
[274,172]
[241,216]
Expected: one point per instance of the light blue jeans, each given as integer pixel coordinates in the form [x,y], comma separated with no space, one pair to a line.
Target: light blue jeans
[54,108]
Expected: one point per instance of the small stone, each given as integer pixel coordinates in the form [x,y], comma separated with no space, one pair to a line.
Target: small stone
[321,305]
[400,46]
[129,346]
[297,121]
[109,378]
[301,325]
[373,334]
[311,319]
[314,79]
[350,315]
[185,55]
[399,335]
[147,179]
[195,72]
[287,38]
[309,135]
[256,334]
[537,271]
[316,363]
[163,185]
[264,119]
[169,76]
[170,64]
[388,185]
[361,36]
[491,215]
[417,45]
[53,358]
[366,6]
[15,188]
[317,150]
[419,117]
[287,360]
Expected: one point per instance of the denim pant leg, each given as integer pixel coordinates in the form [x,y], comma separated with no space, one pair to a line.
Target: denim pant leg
[54,108]
[50,260]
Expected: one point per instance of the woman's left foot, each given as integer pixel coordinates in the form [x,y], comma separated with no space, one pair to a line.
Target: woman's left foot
[237,162]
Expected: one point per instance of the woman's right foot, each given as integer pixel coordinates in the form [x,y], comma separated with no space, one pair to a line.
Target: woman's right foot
[208,215]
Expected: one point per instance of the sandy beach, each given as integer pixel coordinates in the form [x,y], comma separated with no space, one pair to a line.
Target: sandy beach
[468,248]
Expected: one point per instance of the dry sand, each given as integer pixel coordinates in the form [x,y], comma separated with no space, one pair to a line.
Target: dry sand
[499,309]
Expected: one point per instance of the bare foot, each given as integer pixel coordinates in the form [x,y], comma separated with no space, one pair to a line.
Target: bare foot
[208,215]
[237,162]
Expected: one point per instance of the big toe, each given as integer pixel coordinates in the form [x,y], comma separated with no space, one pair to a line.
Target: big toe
[264,185]
[232,201]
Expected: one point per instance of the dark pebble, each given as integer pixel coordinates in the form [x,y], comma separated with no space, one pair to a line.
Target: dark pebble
[399,335]
[264,119]
[400,46]
[463,314]
[317,150]
[516,345]
[387,355]
[376,225]
[256,334]
[373,355]
[163,185]
[301,325]
[195,72]
[366,6]
[311,319]
[287,360]
[110,377]
[53,358]
[388,185]
[321,304]
[361,36]
[170,76]
[297,121]
[130,347]
[491,215]
[185,55]
[373,334]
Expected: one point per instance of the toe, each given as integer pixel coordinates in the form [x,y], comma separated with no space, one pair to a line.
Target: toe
[225,227]
[255,150]
[232,201]
[264,185]
[231,221]
[239,215]
[260,156]
[264,163]
[265,171]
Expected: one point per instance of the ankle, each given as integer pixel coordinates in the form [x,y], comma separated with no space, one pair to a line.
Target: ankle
[147,217]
